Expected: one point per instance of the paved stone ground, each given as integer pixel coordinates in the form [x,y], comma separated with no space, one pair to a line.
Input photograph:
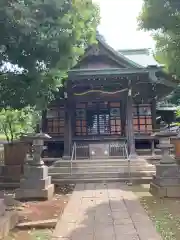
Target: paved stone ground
[104,212]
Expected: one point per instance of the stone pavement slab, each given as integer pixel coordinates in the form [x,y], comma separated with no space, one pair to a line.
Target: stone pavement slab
[104,212]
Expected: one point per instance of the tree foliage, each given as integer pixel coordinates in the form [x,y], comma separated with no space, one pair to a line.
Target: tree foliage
[14,123]
[162,17]
[40,40]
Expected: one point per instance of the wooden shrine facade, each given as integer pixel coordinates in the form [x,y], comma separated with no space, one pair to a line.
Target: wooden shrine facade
[99,119]
[107,98]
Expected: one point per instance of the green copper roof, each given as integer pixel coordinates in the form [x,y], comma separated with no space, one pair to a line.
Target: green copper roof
[143,57]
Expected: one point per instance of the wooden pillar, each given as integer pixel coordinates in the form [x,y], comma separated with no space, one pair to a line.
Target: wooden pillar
[123,116]
[44,121]
[67,131]
[130,127]
[153,110]
[73,117]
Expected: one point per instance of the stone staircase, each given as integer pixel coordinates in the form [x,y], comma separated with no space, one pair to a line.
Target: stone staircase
[100,170]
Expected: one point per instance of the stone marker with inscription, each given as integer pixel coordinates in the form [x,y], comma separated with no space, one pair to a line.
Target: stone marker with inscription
[166,182]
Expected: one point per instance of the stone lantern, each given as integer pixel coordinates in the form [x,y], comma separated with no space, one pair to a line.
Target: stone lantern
[38,146]
[176,142]
[165,145]
[36,184]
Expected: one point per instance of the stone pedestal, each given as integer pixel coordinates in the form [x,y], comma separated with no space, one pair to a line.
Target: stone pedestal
[36,184]
[166,182]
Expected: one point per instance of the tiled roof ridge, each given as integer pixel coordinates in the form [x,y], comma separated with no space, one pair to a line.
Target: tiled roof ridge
[132,51]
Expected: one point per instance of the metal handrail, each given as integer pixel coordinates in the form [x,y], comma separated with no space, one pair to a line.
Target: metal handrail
[126,151]
[73,155]
[129,165]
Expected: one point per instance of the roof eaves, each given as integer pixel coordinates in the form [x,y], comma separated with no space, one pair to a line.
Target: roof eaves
[167,83]
[110,71]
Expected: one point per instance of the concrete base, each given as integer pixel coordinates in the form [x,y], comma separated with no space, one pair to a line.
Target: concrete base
[165,191]
[27,194]
[36,184]
[166,182]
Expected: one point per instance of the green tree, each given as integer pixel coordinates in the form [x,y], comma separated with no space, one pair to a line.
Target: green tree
[14,123]
[40,40]
[162,18]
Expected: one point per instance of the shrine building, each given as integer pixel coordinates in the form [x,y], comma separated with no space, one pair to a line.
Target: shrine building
[110,98]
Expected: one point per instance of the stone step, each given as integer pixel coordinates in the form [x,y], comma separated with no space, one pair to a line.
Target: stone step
[9,185]
[99,162]
[134,180]
[117,163]
[109,170]
[101,175]
[100,169]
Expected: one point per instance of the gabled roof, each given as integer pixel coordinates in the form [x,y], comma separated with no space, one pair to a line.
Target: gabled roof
[118,55]
[133,61]
[131,58]
[102,48]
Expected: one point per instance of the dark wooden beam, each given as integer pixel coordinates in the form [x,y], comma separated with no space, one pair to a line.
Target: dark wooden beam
[110,79]
[44,121]
[123,115]
[67,131]
[153,107]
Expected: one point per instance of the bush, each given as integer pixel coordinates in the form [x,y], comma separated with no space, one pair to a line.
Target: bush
[14,122]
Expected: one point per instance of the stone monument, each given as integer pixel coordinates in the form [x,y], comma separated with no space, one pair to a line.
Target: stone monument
[166,182]
[36,184]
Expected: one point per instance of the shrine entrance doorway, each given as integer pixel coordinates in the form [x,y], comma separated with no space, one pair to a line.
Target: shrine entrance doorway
[98,119]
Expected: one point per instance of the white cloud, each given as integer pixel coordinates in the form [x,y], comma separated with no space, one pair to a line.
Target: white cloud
[119,24]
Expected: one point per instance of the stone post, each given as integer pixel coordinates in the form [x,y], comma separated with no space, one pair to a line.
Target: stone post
[36,184]
[176,142]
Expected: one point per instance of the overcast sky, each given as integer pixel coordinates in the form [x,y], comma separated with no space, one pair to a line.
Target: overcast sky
[119,24]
